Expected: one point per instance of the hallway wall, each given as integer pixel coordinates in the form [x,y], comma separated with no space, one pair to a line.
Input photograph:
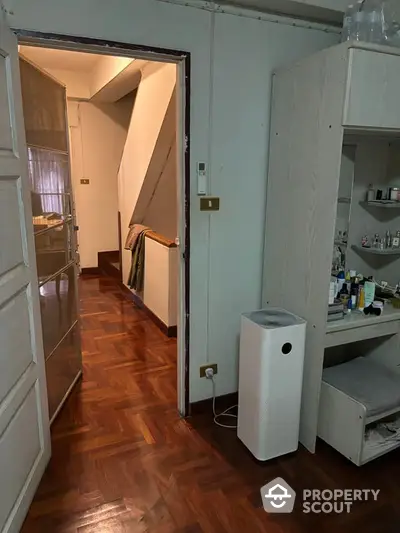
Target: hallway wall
[161,213]
[98,133]
[142,143]
[76,83]
[157,204]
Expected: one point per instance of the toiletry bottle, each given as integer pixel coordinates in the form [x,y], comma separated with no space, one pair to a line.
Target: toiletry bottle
[349,304]
[359,29]
[388,240]
[365,242]
[340,283]
[375,30]
[353,295]
[376,27]
[348,23]
[361,299]
[370,194]
[396,240]
[369,293]
[344,290]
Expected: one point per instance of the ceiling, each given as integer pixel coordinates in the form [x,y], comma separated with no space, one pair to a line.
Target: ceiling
[60,59]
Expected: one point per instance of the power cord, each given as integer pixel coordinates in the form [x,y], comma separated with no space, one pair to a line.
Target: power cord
[210,376]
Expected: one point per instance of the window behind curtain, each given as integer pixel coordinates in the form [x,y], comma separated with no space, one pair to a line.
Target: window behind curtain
[48,174]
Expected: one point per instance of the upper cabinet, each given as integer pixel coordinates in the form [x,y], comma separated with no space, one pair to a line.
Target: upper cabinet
[373,89]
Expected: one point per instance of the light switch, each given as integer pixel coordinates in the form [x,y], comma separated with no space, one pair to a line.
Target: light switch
[209,203]
[85,181]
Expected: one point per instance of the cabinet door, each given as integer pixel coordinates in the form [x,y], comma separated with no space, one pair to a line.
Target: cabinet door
[373,92]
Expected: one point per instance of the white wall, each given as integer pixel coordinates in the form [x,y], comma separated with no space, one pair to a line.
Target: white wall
[97,133]
[230,105]
[151,103]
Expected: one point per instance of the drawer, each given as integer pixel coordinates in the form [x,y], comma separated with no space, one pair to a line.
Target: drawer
[369,331]
[62,368]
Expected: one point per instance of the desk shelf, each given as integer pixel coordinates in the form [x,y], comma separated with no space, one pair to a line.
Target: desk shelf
[375,251]
[358,327]
[355,395]
[384,204]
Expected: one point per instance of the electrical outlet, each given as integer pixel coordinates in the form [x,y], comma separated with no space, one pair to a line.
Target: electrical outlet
[203,369]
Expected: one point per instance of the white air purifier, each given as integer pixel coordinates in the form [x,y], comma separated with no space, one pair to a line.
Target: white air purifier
[270,382]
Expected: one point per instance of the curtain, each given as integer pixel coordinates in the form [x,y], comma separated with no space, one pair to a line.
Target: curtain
[49,177]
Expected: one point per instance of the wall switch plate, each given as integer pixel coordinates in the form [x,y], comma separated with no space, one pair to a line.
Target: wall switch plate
[203,369]
[85,181]
[209,203]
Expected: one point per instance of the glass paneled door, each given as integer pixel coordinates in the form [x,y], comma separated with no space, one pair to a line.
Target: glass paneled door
[46,129]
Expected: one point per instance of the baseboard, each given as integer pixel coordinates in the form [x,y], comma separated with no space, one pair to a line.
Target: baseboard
[169,331]
[206,406]
[90,271]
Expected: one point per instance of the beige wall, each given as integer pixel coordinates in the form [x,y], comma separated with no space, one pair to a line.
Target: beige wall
[77,83]
[157,205]
[151,104]
[98,134]
[162,211]
[108,81]
[107,69]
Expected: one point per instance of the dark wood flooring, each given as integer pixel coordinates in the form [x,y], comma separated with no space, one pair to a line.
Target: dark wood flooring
[124,462]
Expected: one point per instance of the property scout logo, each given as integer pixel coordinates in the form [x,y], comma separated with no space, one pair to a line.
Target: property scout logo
[279,497]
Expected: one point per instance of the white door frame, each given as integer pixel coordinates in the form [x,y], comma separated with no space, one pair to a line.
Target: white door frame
[182,60]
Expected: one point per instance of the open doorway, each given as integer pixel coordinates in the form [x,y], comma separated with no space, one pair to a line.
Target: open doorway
[126,185]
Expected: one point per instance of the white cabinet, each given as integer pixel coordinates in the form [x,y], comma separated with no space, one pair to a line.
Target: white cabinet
[373,90]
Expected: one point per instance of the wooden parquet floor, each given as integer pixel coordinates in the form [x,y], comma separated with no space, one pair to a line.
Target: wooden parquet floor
[124,462]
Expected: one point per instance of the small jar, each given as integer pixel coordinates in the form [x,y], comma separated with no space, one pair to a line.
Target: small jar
[396,240]
[378,307]
[395,193]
